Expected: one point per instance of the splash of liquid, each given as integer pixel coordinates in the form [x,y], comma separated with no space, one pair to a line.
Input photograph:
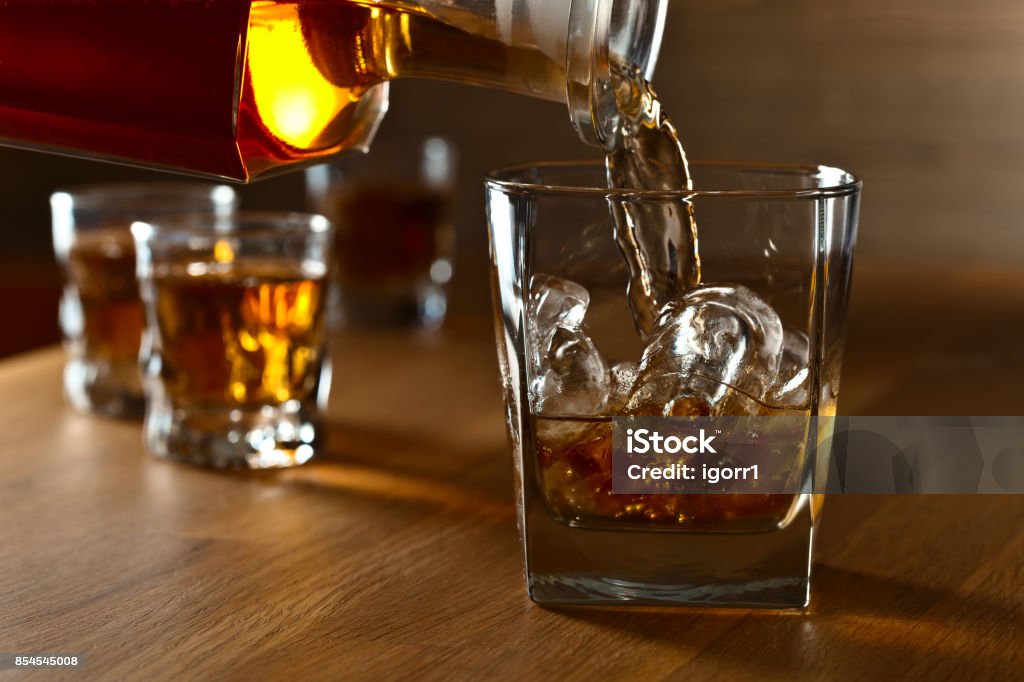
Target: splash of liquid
[658,239]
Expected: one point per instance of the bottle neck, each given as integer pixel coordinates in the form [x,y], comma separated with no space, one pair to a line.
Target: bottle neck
[494,52]
[558,50]
[605,35]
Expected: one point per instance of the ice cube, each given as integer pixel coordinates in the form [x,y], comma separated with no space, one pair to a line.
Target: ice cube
[557,302]
[573,379]
[554,302]
[793,380]
[569,375]
[712,342]
[623,376]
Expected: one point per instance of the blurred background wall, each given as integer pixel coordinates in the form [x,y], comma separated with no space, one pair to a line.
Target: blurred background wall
[922,98]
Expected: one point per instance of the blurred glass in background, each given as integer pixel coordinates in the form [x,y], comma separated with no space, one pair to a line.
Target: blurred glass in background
[395,242]
[101,314]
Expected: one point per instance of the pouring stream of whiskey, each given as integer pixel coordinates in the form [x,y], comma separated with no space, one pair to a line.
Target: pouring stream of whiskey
[658,239]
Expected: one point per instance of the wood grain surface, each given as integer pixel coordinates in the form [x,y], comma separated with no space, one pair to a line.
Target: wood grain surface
[396,555]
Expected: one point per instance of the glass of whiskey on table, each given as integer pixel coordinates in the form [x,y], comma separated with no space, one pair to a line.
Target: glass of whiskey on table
[620,306]
[395,240]
[237,376]
[101,313]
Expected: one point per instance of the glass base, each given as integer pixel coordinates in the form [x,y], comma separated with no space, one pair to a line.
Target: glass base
[268,437]
[104,389]
[578,566]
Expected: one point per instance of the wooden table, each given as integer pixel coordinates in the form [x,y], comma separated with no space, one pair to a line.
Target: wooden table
[397,555]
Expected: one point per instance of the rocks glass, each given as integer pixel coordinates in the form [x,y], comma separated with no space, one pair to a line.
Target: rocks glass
[762,334]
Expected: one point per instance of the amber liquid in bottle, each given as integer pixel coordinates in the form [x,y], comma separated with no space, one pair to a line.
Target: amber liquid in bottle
[232,88]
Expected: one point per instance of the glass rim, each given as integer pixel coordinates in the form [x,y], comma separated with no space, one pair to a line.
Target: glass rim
[119,194]
[847,183]
[242,224]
